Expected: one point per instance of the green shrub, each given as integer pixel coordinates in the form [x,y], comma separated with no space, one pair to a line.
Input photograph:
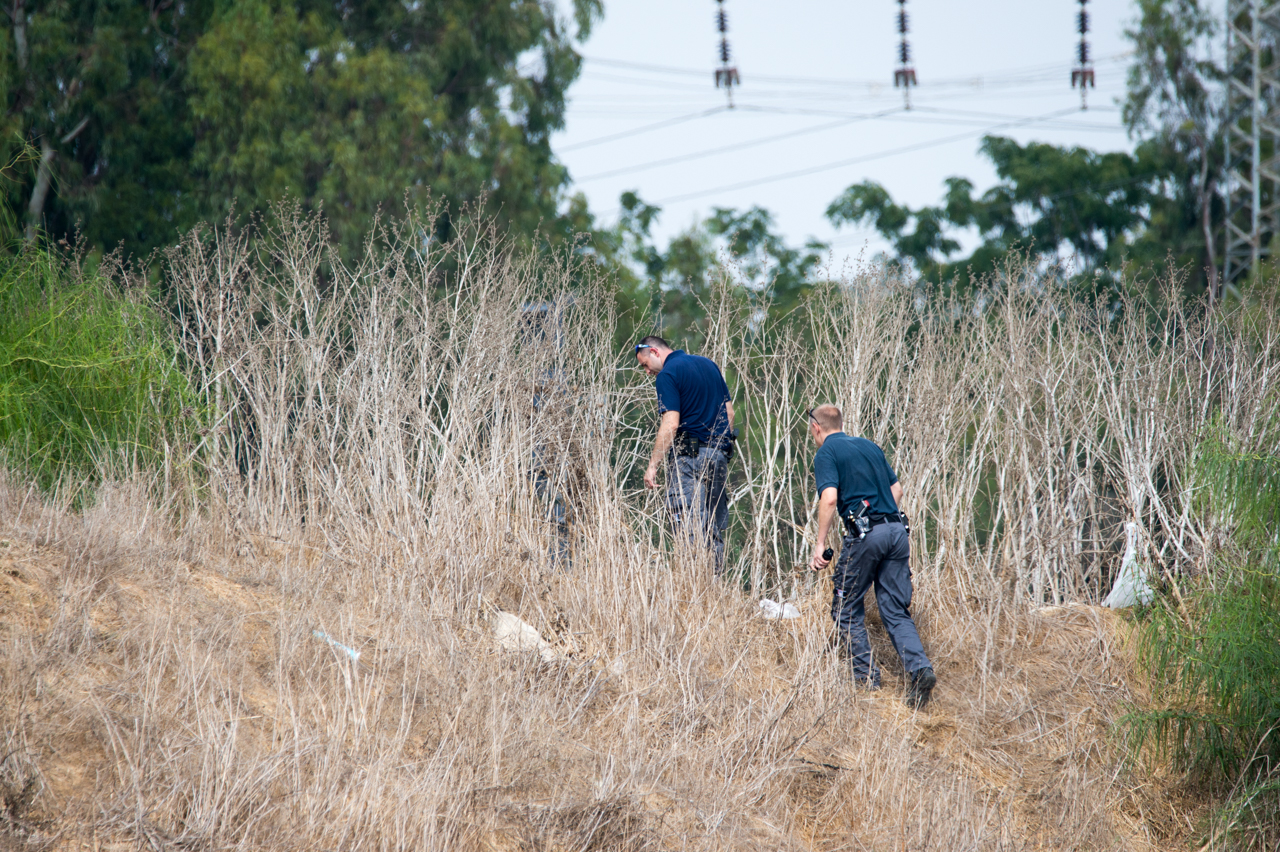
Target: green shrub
[87,373]
[1216,660]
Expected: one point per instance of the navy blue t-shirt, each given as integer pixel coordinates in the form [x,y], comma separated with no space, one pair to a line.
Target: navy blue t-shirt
[694,386]
[858,470]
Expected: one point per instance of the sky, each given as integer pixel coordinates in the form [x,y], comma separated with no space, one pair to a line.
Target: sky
[817,110]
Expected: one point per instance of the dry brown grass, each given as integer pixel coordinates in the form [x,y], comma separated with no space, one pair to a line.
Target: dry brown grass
[367,474]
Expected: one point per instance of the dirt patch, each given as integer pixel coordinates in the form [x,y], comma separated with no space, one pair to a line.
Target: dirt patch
[206,689]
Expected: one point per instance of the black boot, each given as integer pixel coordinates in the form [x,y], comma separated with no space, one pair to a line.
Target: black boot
[921,687]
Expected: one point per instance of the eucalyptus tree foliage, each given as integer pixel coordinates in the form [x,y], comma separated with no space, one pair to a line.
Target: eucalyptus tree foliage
[1071,205]
[666,289]
[1175,104]
[96,89]
[153,116]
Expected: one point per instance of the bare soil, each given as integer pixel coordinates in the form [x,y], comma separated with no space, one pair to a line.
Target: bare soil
[168,691]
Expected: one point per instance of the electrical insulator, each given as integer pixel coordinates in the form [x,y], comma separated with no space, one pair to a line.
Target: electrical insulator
[905,75]
[726,76]
[1082,74]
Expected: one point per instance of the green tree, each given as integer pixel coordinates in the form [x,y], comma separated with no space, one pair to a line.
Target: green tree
[773,273]
[1215,654]
[1174,103]
[95,88]
[152,116]
[1050,202]
[666,288]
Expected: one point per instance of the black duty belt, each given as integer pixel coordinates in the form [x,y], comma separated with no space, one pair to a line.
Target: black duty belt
[875,520]
[687,445]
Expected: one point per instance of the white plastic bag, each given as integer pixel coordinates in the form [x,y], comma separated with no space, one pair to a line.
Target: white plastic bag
[773,609]
[1131,587]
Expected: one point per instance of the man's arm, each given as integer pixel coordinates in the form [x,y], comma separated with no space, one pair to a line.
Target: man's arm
[826,511]
[666,434]
[896,490]
[728,410]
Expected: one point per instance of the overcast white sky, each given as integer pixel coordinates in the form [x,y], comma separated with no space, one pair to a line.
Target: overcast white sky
[820,74]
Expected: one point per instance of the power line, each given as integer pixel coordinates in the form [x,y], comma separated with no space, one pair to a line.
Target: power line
[920,115]
[644,104]
[998,115]
[721,149]
[669,85]
[626,134]
[890,114]
[641,107]
[816,88]
[1049,70]
[899,115]
[855,160]
[690,95]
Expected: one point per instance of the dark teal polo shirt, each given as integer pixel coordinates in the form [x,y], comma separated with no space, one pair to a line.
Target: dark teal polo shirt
[858,470]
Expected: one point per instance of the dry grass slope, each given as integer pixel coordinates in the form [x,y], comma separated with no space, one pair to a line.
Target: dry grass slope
[382,445]
[166,691]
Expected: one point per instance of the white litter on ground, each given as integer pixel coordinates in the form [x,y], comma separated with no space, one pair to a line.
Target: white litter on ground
[1131,587]
[352,653]
[772,609]
[515,634]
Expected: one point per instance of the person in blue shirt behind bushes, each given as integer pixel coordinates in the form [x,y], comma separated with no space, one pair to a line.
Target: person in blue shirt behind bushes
[696,437]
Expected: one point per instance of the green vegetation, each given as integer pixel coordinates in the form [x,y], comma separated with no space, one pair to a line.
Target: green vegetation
[1215,656]
[88,378]
[667,290]
[150,118]
[1048,197]
[1158,208]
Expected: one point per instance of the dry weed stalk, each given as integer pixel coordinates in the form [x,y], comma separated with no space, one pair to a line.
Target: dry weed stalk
[377,436]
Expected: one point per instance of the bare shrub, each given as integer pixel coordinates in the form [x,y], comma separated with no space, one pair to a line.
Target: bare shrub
[305,662]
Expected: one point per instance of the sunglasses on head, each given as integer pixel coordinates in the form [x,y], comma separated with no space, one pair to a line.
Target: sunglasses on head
[809,414]
[640,346]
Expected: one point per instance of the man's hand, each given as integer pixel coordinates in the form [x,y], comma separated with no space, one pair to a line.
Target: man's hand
[666,434]
[826,513]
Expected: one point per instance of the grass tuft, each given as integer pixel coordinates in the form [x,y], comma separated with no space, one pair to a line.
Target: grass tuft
[88,380]
[1215,655]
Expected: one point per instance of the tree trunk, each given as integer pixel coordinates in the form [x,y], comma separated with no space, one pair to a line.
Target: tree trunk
[44,177]
[1206,223]
[20,33]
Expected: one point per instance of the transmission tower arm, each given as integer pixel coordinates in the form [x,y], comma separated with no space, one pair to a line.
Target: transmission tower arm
[905,75]
[726,75]
[1082,74]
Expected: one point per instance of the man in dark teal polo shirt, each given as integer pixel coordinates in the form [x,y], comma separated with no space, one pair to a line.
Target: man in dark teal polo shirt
[856,484]
[695,435]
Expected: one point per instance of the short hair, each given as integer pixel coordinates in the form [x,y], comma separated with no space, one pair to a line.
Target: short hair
[828,417]
[656,342]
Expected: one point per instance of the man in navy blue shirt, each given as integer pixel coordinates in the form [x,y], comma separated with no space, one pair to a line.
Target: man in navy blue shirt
[855,482]
[695,436]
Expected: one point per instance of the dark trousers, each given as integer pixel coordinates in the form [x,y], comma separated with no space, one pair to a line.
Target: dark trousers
[882,559]
[558,552]
[698,499]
